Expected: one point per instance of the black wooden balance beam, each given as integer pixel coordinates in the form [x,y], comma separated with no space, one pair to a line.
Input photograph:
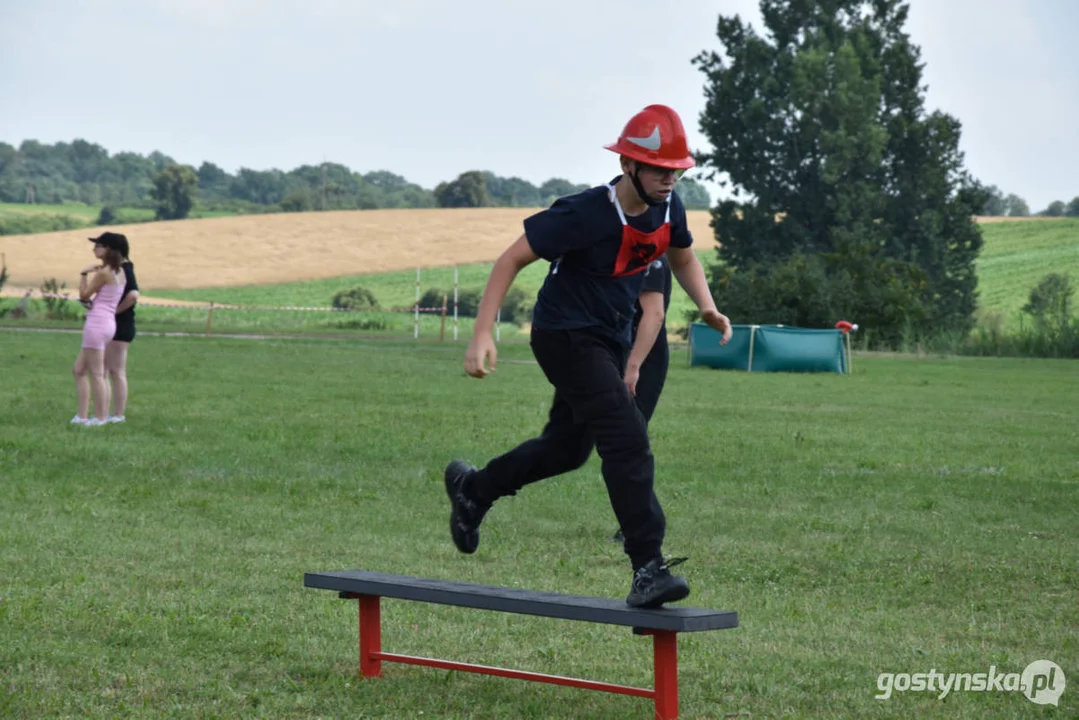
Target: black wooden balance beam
[663,624]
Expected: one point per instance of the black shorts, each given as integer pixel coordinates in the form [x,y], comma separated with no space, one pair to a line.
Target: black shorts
[125,331]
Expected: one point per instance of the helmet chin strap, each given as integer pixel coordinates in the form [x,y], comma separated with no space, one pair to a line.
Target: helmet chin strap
[640,189]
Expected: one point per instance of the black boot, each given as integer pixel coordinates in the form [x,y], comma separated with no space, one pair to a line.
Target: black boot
[654,585]
[465,513]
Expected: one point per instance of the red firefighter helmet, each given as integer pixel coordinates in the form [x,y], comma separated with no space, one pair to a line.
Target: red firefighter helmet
[655,136]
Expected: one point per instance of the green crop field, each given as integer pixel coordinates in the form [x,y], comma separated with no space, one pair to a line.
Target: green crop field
[1017,255]
[88,213]
[83,214]
[918,515]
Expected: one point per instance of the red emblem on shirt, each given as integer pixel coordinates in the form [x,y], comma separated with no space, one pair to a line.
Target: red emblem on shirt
[640,249]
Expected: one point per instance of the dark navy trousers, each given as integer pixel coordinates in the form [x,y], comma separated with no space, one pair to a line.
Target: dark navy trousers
[591,409]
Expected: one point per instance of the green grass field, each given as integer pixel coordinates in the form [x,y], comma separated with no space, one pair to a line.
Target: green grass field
[88,213]
[82,214]
[1017,255]
[394,289]
[226,321]
[917,515]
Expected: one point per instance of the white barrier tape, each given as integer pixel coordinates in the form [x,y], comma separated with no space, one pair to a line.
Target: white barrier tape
[215,306]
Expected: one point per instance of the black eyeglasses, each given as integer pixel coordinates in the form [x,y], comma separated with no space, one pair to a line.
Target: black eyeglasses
[661,172]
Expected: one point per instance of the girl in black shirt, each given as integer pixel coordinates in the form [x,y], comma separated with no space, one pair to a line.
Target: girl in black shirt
[116,351]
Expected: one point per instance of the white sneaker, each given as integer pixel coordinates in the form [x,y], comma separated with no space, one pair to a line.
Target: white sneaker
[78,420]
[115,419]
[94,422]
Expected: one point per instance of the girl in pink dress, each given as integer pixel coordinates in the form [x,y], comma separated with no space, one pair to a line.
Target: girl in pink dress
[104,284]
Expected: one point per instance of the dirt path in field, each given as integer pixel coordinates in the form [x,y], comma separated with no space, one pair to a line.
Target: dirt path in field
[288,247]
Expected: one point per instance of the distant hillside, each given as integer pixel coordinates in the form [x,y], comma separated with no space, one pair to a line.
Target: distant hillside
[1018,254]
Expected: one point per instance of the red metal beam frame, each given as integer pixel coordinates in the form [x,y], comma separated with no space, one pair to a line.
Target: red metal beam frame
[664,657]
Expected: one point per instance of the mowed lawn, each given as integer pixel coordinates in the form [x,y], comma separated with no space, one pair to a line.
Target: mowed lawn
[919,515]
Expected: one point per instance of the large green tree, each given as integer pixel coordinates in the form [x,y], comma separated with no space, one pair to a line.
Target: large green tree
[855,192]
[468,190]
[511,191]
[174,192]
[556,188]
[1016,206]
[694,195]
[1057,208]
[994,204]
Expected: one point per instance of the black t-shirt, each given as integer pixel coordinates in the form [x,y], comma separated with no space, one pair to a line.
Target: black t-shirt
[581,236]
[128,316]
[657,278]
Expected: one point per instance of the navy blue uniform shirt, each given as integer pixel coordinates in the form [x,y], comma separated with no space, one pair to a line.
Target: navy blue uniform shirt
[581,236]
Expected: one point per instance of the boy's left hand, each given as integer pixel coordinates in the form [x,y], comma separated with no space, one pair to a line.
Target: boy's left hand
[631,378]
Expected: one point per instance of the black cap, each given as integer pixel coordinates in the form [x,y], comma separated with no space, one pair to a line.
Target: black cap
[113,241]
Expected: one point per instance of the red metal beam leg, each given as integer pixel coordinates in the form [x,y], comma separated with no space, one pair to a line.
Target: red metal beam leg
[665,658]
[370,636]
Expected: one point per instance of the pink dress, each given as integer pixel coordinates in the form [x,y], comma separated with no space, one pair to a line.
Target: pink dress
[101,320]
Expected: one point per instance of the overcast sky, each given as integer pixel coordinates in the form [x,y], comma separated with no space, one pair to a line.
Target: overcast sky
[428,89]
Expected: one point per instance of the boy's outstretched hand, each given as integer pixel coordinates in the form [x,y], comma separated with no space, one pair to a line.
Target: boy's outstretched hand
[481,351]
[718,322]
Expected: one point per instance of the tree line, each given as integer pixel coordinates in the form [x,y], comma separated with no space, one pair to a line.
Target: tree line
[1000,205]
[84,172]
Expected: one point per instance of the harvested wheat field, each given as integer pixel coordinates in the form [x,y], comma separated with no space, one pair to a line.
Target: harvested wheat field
[262,249]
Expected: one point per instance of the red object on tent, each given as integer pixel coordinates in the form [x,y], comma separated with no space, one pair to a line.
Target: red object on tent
[844,326]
